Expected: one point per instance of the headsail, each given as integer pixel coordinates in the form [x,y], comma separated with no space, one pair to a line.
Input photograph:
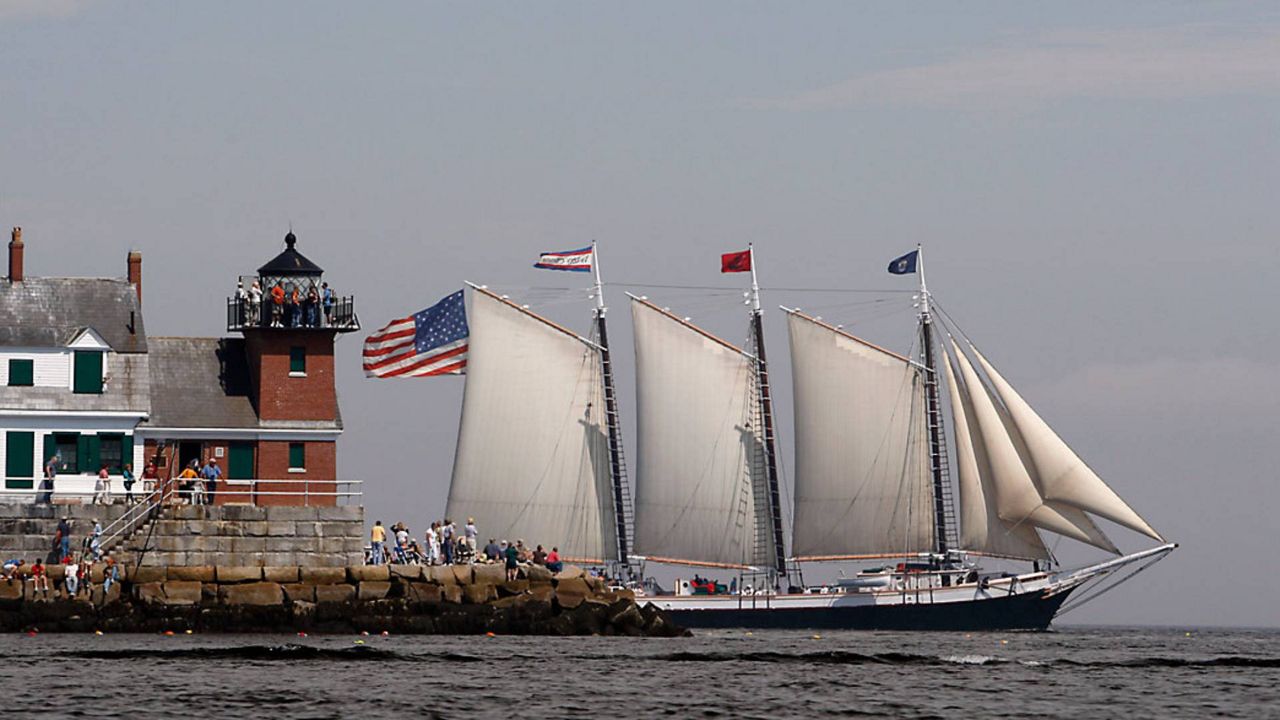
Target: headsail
[1060,474]
[981,529]
[863,484]
[1018,500]
[695,490]
[532,460]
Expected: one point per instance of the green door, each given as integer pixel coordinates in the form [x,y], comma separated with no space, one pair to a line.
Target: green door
[19,466]
[88,372]
[240,464]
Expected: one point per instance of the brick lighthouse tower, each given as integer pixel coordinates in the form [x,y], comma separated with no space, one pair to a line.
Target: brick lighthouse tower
[289,336]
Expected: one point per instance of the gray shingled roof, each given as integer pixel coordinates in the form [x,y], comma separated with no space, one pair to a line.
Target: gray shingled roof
[50,312]
[127,388]
[200,383]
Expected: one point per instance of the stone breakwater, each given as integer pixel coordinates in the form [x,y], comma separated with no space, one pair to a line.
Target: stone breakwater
[458,599]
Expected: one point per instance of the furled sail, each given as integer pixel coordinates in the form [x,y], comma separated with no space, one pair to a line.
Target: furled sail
[1018,500]
[981,529]
[863,484]
[1060,474]
[532,460]
[698,445]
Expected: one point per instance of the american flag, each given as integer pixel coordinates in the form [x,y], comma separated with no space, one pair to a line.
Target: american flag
[432,342]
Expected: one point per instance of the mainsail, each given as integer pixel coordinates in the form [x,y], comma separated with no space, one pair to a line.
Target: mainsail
[981,529]
[1018,500]
[532,460]
[863,484]
[696,484]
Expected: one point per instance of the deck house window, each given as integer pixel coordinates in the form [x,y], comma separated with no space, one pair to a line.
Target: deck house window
[68,445]
[297,456]
[21,372]
[88,372]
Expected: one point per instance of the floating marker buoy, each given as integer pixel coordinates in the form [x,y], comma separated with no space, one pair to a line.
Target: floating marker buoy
[1188,634]
[386,634]
[1004,642]
[188,632]
[359,642]
[749,633]
[168,633]
[97,632]
[489,634]
[364,633]
[31,633]
[817,637]
[302,634]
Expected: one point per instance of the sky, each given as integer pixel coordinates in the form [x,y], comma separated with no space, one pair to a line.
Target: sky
[1095,186]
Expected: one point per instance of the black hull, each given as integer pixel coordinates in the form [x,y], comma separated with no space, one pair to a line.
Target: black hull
[1029,611]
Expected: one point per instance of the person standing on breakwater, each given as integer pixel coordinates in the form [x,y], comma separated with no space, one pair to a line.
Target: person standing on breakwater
[126,476]
[377,538]
[210,472]
[470,532]
[62,540]
[513,562]
[446,540]
[101,487]
[45,496]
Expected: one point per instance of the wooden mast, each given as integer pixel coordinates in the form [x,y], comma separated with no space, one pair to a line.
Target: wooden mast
[937,440]
[766,416]
[617,469]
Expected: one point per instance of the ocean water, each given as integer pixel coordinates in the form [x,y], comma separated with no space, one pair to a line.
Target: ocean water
[1074,672]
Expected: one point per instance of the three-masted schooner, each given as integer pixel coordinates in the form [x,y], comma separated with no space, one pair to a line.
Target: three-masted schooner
[540,455]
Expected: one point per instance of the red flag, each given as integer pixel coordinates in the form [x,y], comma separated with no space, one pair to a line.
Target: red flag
[736,262]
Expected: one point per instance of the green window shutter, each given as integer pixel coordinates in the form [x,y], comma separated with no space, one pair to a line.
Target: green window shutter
[240,464]
[19,467]
[22,373]
[87,454]
[297,359]
[50,449]
[88,372]
[297,456]
[126,452]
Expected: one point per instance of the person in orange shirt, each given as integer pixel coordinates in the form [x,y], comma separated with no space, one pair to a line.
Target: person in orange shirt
[277,305]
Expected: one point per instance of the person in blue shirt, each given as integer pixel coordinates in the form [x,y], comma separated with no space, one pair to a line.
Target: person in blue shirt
[326,294]
[210,472]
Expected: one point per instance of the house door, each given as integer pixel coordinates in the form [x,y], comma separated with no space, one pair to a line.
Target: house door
[188,451]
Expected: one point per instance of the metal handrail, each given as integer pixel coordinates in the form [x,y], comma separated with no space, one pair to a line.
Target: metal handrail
[136,515]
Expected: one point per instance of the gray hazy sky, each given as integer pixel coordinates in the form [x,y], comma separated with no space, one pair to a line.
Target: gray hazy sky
[1095,185]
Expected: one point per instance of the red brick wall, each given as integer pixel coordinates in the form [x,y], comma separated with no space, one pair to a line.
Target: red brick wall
[273,464]
[281,397]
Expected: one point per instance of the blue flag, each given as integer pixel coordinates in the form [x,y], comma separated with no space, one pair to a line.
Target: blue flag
[906,264]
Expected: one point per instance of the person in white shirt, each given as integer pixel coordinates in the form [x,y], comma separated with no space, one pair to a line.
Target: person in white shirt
[470,532]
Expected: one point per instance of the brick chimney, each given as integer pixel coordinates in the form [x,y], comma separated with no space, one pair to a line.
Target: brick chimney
[15,256]
[135,272]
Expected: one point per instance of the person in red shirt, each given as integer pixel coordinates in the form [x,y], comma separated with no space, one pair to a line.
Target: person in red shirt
[277,304]
[554,563]
[39,577]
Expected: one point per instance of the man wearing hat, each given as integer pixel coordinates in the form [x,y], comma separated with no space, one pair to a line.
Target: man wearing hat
[210,472]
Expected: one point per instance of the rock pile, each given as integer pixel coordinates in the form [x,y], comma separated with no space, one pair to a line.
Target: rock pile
[457,599]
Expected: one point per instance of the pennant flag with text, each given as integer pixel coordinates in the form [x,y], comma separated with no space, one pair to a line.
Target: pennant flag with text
[571,260]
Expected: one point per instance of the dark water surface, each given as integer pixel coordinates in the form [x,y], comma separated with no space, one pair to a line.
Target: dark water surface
[1072,673]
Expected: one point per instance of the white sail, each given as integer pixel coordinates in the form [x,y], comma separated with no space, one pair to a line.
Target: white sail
[981,529]
[1018,500]
[695,490]
[1061,475]
[863,485]
[532,460]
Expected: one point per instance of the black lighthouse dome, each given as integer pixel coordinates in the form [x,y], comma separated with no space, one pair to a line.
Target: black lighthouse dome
[290,263]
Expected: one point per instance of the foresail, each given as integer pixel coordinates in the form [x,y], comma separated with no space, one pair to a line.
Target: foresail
[1018,500]
[1061,475]
[698,445]
[532,460]
[981,529]
[863,484]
